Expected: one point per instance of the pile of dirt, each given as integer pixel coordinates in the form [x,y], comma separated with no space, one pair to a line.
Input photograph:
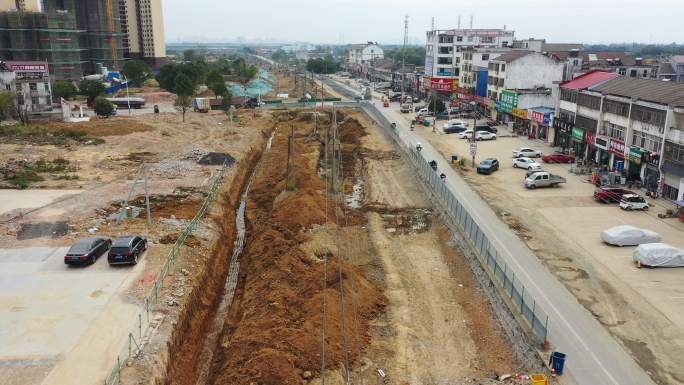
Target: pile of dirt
[351,131]
[42,229]
[217,159]
[100,127]
[156,97]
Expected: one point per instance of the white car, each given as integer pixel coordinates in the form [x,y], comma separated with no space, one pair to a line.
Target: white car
[527,152]
[526,163]
[467,134]
[455,123]
[631,202]
[485,135]
[629,236]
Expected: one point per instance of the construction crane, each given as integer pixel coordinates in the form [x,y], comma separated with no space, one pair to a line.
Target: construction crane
[112,32]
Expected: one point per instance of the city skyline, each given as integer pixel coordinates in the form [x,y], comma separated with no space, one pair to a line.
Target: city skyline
[579,22]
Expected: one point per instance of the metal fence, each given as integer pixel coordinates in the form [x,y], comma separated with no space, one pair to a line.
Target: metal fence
[528,307]
[132,342]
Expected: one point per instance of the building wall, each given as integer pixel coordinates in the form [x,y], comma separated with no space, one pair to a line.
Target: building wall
[129,26]
[531,71]
[531,100]
[22,5]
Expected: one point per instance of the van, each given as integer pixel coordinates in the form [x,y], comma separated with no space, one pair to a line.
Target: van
[633,202]
[405,108]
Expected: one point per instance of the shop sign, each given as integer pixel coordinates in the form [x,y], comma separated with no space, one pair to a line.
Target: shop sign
[589,137]
[497,106]
[509,101]
[520,113]
[26,67]
[635,155]
[464,97]
[426,82]
[480,99]
[562,125]
[537,116]
[547,120]
[578,133]
[491,103]
[443,73]
[441,84]
[462,90]
[602,142]
[617,147]
[652,159]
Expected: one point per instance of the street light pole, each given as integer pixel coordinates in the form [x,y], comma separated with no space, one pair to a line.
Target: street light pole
[128,96]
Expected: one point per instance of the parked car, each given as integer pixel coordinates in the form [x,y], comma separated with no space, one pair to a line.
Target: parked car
[418,108]
[543,179]
[467,134]
[454,130]
[609,194]
[488,166]
[405,108]
[629,236]
[423,112]
[484,135]
[127,249]
[409,100]
[526,163]
[455,123]
[633,202]
[87,250]
[527,152]
[486,127]
[558,158]
[658,255]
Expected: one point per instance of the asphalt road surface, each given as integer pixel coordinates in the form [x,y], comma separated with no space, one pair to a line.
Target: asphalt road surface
[593,356]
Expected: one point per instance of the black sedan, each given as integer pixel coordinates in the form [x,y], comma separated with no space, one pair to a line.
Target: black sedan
[87,250]
[488,166]
[127,249]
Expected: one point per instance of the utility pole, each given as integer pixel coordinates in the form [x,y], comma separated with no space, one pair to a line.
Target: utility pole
[291,150]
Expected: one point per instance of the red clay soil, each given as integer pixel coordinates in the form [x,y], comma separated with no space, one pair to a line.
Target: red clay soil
[273,331]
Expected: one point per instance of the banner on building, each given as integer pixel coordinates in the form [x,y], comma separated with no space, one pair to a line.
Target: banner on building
[509,101]
[537,117]
[578,133]
[562,125]
[520,113]
[428,65]
[445,85]
[617,147]
[635,155]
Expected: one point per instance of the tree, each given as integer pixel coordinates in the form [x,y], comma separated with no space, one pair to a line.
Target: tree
[137,71]
[438,103]
[214,77]
[220,89]
[7,100]
[189,55]
[103,107]
[91,88]
[227,102]
[185,89]
[63,89]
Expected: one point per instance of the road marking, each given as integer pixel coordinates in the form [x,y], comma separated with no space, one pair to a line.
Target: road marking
[621,256]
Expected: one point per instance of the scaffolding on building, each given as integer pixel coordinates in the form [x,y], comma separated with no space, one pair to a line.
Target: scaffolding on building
[50,37]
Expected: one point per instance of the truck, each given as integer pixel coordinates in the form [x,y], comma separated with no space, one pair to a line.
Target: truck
[202,105]
[215,104]
[245,102]
[136,103]
[383,85]
[542,179]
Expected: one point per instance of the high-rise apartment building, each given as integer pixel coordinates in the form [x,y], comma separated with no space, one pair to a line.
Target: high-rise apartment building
[21,5]
[142,24]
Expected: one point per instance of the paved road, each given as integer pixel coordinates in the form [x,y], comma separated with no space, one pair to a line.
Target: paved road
[593,356]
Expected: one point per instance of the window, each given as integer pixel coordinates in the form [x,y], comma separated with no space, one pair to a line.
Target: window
[569,95]
[615,131]
[674,152]
[501,82]
[649,115]
[457,60]
[470,38]
[593,102]
[446,50]
[35,101]
[617,108]
[489,94]
[459,38]
[485,56]
[456,72]
[623,71]
[646,141]
[33,86]
[494,95]
[645,73]
[486,40]
[504,44]
[566,115]
[503,67]
[446,39]
[47,87]
[444,60]
[586,123]
[575,63]
[670,192]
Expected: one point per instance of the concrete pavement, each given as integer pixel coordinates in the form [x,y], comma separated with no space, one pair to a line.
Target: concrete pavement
[593,356]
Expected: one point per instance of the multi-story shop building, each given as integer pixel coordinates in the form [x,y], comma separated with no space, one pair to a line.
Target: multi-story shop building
[628,123]
[443,53]
[361,54]
[30,80]
[519,91]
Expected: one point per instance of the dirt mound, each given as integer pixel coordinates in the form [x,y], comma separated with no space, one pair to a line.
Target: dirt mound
[351,131]
[100,127]
[156,97]
[217,159]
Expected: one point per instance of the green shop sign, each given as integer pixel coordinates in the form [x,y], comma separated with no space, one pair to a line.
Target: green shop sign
[509,101]
[635,155]
[578,133]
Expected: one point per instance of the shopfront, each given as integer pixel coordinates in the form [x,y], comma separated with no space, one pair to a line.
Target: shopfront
[652,169]
[563,132]
[539,130]
[579,146]
[521,122]
[509,101]
[635,161]
[483,104]
[592,151]
[617,148]
[602,143]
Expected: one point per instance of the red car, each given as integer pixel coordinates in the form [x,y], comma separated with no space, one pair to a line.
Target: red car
[608,193]
[558,158]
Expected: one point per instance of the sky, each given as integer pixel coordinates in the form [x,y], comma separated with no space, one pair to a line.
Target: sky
[359,21]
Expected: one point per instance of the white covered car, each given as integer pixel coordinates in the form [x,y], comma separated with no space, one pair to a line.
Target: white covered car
[527,152]
[526,163]
[629,236]
[659,255]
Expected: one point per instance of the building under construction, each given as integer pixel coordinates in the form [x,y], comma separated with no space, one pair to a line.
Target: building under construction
[51,37]
[102,39]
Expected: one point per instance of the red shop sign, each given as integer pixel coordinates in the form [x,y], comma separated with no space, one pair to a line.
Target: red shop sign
[617,147]
[589,137]
[441,84]
[537,117]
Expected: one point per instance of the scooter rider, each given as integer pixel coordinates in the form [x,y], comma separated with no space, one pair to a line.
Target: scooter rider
[442,177]
[419,146]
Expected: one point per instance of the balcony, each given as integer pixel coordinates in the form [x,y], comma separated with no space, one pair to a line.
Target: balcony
[39,108]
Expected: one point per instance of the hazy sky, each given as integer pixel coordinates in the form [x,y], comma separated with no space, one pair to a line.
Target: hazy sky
[322,21]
